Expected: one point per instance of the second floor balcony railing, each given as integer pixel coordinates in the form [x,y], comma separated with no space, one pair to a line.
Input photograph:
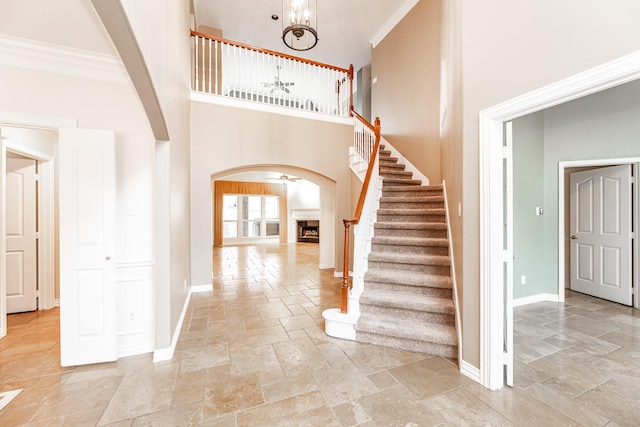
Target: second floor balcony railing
[226,68]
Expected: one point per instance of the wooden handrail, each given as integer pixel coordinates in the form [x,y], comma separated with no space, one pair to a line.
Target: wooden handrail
[344,293]
[349,70]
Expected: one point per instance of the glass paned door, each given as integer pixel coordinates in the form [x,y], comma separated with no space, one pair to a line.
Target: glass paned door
[250,216]
[272,215]
[230,215]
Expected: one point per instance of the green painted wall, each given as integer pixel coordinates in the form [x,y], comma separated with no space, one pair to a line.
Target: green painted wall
[528,193]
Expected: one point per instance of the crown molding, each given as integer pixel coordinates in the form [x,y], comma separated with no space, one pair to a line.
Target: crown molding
[392,22]
[53,58]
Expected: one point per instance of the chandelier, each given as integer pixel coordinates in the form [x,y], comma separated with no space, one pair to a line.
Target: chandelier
[302,16]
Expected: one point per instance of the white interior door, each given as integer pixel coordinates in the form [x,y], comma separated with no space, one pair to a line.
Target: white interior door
[600,233]
[21,243]
[87,202]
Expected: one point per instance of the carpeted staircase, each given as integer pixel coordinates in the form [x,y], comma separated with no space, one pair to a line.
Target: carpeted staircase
[407,300]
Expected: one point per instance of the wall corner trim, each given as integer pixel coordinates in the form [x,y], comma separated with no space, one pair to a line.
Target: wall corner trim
[164,354]
[392,22]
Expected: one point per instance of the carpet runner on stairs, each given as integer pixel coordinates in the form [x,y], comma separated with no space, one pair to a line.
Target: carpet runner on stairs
[407,300]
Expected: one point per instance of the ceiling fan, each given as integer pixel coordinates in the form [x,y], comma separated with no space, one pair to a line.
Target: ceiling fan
[285,177]
[277,84]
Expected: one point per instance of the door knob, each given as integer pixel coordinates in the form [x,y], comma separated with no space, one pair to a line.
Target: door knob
[573,237]
[108,257]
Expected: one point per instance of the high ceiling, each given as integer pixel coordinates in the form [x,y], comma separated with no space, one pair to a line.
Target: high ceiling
[345,28]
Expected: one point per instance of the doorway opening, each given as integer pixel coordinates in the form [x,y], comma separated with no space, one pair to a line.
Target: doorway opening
[33,141]
[494,257]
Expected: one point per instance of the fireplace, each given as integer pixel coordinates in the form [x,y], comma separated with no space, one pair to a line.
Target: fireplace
[309,231]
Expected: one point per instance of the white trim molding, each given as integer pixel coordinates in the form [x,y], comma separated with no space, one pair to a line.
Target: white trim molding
[8,396]
[164,354]
[37,55]
[532,299]
[453,273]
[208,287]
[470,371]
[491,120]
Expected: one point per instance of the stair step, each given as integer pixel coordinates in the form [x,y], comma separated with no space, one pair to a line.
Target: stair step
[384,153]
[429,264]
[407,301]
[407,278]
[398,181]
[411,259]
[407,199]
[390,189]
[439,340]
[417,245]
[407,202]
[410,229]
[387,159]
[390,165]
[411,215]
[387,173]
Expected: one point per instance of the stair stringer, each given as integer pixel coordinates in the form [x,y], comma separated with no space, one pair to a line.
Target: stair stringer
[453,273]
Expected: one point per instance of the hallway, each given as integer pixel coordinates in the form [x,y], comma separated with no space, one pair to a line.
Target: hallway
[253,352]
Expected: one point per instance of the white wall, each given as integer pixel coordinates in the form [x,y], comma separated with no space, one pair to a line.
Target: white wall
[225,138]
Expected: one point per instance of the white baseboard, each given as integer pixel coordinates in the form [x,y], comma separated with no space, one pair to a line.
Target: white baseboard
[8,396]
[340,274]
[56,302]
[164,354]
[535,298]
[201,288]
[135,351]
[468,370]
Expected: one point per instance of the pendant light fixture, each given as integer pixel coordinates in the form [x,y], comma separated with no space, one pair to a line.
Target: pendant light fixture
[301,18]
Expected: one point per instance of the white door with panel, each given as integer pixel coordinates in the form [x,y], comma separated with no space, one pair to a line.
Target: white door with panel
[87,206]
[21,260]
[601,233]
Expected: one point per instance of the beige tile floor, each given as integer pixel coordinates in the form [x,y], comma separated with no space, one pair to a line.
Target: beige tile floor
[252,352]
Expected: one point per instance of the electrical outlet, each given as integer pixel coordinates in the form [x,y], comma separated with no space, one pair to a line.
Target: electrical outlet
[132,317]
[523,280]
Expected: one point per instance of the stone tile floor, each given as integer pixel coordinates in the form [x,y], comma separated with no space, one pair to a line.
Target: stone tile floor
[252,352]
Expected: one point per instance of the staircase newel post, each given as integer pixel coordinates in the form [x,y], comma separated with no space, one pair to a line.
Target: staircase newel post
[344,292]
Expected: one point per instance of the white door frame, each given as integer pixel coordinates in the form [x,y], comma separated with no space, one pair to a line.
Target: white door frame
[491,120]
[635,161]
[46,249]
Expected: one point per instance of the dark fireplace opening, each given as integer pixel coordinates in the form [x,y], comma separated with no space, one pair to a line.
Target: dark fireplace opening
[309,231]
